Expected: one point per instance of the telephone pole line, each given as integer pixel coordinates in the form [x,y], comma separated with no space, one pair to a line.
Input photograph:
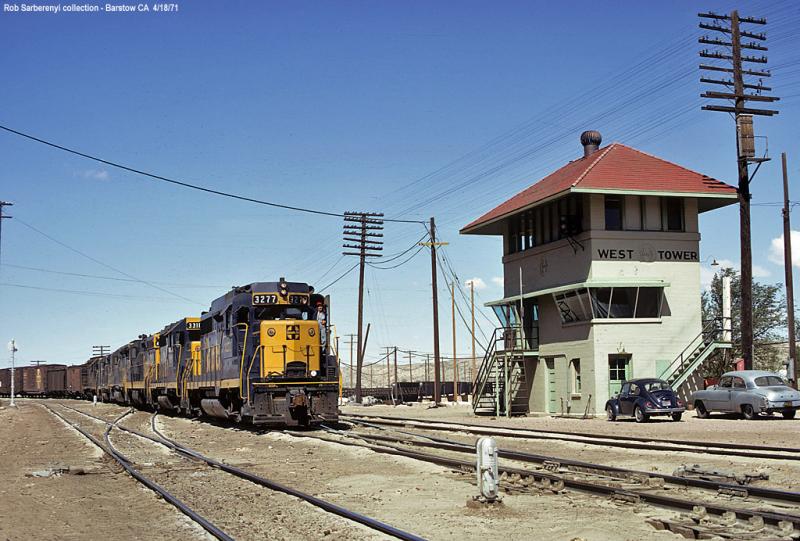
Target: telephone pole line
[787,262]
[745,143]
[472,306]
[362,230]
[3,217]
[437,397]
[455,359]
[350,341]
[410,367]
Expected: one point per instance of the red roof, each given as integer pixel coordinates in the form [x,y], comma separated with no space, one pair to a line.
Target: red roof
[617,168]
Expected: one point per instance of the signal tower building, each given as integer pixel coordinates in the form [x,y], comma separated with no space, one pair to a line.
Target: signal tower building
[601,264]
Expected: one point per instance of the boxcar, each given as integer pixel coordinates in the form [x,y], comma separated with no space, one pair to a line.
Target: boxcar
[77,380]
[56,380]
[5,381]
[35,381]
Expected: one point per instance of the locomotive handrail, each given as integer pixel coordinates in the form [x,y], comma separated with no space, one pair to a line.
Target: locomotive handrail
[249,369]
[241,363]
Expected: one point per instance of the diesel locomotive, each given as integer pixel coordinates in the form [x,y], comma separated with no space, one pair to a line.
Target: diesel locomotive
[259,355]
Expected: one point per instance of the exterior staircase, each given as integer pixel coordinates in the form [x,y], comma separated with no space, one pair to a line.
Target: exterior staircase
[500,387]
[712,338]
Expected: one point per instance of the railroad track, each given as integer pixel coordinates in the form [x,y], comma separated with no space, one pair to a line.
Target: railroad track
[626,442]
[594,480]
[216,465]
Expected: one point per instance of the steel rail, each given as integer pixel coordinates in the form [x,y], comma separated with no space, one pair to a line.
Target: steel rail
[521,456]
[133,472]
[632,442]
[589,487]
[272,485]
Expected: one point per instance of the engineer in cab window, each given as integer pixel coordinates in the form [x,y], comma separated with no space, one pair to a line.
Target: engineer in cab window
[322,320]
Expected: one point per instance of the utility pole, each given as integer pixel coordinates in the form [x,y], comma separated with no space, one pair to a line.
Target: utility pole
[12,347]
[455,360]
[362,229]
[427,370]
[3,217]
[745,143]
[388,367]
[351,342]
[396,379]
[100,351]
[410,367]
[787,263]
[472,305]
[437,397]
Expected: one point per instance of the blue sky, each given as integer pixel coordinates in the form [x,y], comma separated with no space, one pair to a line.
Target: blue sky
[416,109]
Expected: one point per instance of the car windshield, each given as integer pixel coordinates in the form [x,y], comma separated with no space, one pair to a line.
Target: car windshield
[652,386]
[769,381]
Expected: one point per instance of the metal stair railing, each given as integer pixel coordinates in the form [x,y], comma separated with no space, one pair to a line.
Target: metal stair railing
[485,369]
[712,332]
[509,340]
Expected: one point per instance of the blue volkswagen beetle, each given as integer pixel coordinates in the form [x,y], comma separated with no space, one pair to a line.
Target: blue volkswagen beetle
[643,398]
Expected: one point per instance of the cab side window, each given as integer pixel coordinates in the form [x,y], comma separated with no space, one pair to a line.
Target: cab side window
[635,390]
[726,382]
[738,383]
[625,389]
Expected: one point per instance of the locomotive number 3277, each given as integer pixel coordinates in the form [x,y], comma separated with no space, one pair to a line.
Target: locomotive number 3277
[265,298]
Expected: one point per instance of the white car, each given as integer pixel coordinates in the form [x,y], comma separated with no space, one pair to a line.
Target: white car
[748,392]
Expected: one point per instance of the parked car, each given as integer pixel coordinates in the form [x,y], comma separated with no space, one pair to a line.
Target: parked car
[644,398]
[748,392]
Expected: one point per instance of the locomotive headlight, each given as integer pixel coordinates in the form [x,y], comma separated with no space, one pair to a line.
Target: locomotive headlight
[313,373]
[284,292]
[311,331]
[270,332]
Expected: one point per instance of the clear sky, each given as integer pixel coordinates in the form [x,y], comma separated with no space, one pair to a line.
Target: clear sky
[415,109]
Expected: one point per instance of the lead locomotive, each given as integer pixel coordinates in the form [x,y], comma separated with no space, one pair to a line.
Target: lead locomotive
[259,355]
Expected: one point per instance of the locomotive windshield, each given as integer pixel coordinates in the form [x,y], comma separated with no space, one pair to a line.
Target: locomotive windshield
[281,311]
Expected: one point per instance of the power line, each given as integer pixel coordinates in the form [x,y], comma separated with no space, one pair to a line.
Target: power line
[98,277]
[412,256]
[348,271]
[83,292]
[90,258]
[179,182]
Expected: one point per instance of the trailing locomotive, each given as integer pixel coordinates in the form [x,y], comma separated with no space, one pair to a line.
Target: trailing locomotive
[259,355]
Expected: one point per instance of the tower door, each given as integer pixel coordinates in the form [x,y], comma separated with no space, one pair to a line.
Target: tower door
[619,367]
[551,386]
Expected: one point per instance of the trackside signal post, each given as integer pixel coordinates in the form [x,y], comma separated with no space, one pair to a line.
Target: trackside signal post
[12,347]
[729,25]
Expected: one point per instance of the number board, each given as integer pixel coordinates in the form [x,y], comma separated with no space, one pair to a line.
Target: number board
[192,325]
[261,299]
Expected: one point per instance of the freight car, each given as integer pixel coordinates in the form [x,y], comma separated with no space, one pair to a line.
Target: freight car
[56,381]
[259,355]
[77,381]
[35,380]
[5,381]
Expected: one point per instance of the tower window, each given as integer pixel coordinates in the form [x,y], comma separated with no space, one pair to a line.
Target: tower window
[613,212]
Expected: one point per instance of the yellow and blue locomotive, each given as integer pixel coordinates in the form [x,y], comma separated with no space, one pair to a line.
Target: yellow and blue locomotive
[260,355]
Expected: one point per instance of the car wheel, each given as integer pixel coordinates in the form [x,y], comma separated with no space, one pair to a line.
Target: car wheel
[788,413]
[700,408]
[611,414]
[748,412]
[641,417]
[677,416]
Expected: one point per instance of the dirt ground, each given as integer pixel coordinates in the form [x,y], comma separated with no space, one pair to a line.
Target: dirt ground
[102,503]
[425,499]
